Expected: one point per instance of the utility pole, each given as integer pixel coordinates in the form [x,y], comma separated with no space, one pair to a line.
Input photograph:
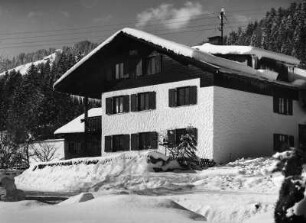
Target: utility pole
[85,124]
[222,23]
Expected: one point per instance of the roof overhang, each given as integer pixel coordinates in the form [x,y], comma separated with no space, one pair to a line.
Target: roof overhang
[83,79]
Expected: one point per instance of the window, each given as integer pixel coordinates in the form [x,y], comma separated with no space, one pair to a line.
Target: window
[182,96]
[116,143]
[144,140]
[143,101]
[116,105]
[153,64]
[282,142]
[121,71]
[282,105]
[174,136]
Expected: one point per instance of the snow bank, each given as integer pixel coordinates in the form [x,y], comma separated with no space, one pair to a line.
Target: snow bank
[78,174]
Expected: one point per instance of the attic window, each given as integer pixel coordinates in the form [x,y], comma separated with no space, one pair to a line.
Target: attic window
[153,64]
[121,71]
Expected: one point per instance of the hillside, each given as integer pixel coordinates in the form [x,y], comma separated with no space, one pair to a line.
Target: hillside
[23,69]
[29,108]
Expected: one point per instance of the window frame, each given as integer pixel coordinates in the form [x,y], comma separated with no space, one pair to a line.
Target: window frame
[110,143]
[174,137]
[282,105]
[190,95]
[281,140]
[117,104]
[152,64]
[144,101]
[150,141]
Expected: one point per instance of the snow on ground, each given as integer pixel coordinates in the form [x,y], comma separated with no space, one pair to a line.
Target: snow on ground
[23,69]
[123,208]
[126,190]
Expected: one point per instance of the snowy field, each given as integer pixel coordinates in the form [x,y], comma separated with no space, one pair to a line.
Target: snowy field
[125,189]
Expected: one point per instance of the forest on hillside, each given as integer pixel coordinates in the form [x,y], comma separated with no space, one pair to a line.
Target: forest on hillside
[29,108]
[281,30]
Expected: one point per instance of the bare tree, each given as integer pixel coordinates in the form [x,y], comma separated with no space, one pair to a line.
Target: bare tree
[44,152]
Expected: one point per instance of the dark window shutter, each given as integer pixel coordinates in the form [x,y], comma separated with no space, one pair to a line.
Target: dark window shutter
[154,140]
[108,144]
[172,98]
[125,142]
[275,104]
[171,138]
[290,112]
[152,100]
[126,103]
[291,141]
[134,102]
[109,105]
[135,142]
[193,95]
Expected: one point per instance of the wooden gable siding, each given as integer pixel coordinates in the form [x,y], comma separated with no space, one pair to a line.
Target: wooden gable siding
[172,70]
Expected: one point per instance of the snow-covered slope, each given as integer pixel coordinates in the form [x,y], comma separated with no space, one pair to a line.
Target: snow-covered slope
[24,68]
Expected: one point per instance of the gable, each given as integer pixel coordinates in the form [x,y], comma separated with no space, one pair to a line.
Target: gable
[91,77]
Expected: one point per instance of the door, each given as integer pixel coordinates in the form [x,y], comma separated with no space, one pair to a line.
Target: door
[302,137]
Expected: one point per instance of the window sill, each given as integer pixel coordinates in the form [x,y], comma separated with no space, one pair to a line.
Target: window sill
[283,114]
[121,113]
[149,110]
[182,106]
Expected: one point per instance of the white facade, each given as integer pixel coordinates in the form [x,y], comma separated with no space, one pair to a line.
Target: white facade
[244,124]
[164,118]
[231,123]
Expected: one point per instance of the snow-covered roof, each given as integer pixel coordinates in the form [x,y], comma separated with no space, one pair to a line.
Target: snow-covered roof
[23,69]
[76,125]
[194,53]
[167,44]
[246,50]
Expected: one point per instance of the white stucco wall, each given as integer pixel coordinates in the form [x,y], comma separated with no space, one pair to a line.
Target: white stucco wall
[164,118]
[244,124]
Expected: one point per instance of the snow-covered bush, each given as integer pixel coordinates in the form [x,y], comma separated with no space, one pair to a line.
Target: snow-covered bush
[293,187]
[185,153]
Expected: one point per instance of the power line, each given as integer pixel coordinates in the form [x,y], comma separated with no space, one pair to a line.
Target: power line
[121,24]
[48,42]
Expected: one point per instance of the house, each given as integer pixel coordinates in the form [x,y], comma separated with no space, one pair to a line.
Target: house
[74,137]
[152,88]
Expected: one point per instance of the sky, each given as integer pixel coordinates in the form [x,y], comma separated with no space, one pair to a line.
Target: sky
[29,25]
